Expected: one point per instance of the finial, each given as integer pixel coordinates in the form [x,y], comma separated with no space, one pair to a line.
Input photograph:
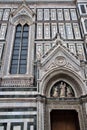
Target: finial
[57,36]
[58,39]
[24,1]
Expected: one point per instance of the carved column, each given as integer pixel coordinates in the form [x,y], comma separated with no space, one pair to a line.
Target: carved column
[40,112]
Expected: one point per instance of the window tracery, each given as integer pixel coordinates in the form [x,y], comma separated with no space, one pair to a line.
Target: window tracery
[3,31]
[20,50]
[63,21]
[1,13]
[85,21]
[6,14]
[46,14]
[73,14]
[66,14]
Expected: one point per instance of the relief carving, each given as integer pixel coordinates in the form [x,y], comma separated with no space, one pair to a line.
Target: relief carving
[52,65]
[55,92]
[17,82]
[62,89]
[59,61]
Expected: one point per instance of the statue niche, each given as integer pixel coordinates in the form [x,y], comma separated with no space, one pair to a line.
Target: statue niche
[62,89]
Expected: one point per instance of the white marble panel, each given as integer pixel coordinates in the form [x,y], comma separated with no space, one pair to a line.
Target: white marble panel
[31,127]
[17,104]
[1,127]
[86,108]
[19,113]
[16,120]
[17,128]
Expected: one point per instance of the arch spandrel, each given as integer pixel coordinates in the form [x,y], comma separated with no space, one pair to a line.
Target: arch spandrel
[65,75]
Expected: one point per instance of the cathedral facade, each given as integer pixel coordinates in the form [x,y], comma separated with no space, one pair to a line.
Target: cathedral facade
[43,65]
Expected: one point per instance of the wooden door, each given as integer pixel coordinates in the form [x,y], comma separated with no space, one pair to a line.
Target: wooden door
[64,120]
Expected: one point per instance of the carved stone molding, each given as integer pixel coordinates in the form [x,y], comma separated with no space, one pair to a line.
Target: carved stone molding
[69,65]
[63,106]
[60,61]
[22,21]
[85,39]
[22,12]
[17,82]
[51,66]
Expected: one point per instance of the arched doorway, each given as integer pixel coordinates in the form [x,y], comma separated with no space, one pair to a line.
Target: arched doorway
[70,100]
[64,120]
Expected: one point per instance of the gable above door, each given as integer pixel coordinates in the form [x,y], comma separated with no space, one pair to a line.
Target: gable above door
[59,56]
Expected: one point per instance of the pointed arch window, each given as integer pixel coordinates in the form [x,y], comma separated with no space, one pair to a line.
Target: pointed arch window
[85,24]
[20,50]
[83,8]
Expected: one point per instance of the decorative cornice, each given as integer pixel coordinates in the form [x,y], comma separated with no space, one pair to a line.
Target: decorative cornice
[38,1]
[17,81]
[42,98]
[13,100]
[80,100]
[81,1]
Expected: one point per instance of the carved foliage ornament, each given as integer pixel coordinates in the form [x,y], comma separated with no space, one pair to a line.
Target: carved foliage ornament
[58,61]
[62,89]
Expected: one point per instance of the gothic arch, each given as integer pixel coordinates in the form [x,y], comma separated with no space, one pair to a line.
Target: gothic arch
[66,75]
[22,19]
[23,14]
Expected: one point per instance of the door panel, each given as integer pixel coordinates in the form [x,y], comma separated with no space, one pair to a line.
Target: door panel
[64,120]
